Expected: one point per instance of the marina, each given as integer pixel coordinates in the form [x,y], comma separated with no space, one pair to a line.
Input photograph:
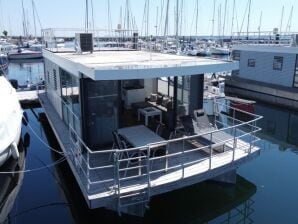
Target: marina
[179,112]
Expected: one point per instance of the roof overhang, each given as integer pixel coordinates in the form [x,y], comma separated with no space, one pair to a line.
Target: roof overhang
[159,65]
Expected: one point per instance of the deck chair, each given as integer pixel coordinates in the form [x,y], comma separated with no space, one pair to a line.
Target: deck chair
[203,125]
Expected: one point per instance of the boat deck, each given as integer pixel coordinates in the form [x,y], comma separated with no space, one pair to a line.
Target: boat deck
[189,166]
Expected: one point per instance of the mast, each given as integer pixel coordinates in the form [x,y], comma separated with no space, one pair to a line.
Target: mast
[289,24]
[282,18]
[248,18]
[156,25]
[109,18]
[34,18]
[24,20]
[233,18]
[197,17]
[224,20]
[177,21]
[167,19]
[214,5]
[87,18]
[92,14]
[260,24]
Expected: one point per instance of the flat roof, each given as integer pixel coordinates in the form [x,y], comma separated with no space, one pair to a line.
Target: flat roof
[267,48]
[121,65]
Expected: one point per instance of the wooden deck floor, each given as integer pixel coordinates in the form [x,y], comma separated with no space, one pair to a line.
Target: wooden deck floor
[103,194]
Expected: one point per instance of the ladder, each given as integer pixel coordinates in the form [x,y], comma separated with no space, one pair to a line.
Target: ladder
[133,194]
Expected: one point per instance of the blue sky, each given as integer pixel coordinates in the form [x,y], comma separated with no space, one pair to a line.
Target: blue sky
[71,13]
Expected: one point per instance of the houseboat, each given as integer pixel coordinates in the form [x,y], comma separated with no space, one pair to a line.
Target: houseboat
[131,123]
[266,73]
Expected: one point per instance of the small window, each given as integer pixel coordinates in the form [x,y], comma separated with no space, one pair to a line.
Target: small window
[55,79]
[278,63]
[236,55]
[251,63]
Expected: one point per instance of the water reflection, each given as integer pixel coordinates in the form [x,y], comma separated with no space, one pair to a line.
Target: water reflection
[26,71]
[279,126]
[11,182]
[201,203]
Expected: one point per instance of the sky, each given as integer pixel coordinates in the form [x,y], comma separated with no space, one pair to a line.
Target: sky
[71,14]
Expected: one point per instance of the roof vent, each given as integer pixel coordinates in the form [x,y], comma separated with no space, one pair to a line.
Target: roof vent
[84,42]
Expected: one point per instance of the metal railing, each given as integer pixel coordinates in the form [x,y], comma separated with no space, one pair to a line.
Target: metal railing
[126,172]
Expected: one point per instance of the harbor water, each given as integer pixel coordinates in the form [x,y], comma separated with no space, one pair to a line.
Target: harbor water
[266,190]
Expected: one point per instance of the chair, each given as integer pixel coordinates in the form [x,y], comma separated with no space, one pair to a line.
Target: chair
[187,123]
[129,156]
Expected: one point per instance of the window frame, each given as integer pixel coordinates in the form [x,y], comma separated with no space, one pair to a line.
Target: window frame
[251,63]
[278,60]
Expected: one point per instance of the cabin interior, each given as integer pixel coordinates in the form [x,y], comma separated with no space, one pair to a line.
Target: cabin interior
[97,108]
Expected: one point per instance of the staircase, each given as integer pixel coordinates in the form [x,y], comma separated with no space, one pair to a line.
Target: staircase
[133,189]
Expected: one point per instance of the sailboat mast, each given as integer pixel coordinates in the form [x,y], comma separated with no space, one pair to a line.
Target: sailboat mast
[156,25]
[282,18]
[248,19]
[260,24]
[213,18]
[177,21]
[87,17]
[233,18]
[289,24]
[167,19]
[34,18]
[224,20]
[24,20]
[197,17]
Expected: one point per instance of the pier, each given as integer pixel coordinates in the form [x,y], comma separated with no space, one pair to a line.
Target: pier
[29,99]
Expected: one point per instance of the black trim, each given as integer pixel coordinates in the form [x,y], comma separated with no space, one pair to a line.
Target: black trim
[295,70]
[175,103]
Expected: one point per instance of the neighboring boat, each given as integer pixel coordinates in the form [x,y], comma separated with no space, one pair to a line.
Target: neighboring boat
[10,121]
[220,50]
[3,63]
[24,54]
[11,183]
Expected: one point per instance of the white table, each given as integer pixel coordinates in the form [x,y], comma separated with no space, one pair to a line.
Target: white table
[139,135]
[149,112]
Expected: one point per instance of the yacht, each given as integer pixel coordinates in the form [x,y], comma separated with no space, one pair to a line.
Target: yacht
[3,63]
[24,54]
[133,125]
[10,121]
[10,184]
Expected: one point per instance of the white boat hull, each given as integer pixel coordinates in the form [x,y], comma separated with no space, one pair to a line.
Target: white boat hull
[17,56]
[10,121]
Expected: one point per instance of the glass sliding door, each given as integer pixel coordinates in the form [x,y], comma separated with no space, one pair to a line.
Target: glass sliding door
[101,100]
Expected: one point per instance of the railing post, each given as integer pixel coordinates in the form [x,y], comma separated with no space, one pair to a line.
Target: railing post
[210,148]
[251,135]
[88,170]
[183,153]
[148,170]
[234,144]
